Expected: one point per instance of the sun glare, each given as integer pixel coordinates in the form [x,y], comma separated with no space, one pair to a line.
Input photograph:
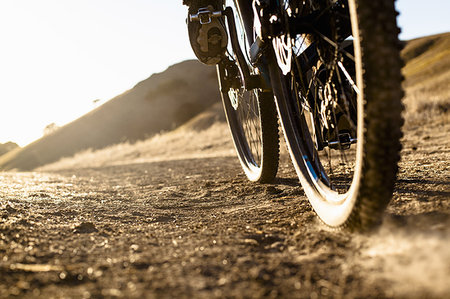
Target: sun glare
[58,57]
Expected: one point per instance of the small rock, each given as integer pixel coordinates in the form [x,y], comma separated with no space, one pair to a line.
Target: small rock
[271,190]
[10,209]
[163,219]
[134,247]
[85,227]
[21,284]
[251,242]
[277,245]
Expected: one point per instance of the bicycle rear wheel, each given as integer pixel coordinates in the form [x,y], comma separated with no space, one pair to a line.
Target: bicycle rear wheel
[251,113]
[339,102]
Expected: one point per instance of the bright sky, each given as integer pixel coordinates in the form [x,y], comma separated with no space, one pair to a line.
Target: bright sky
[58,56]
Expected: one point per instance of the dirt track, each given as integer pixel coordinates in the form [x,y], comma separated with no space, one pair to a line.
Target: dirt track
[197,228]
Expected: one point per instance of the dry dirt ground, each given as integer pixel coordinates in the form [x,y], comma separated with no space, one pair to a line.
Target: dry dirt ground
[197,228]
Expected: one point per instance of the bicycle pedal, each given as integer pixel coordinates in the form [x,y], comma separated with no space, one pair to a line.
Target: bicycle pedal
[205,15]
[344,142]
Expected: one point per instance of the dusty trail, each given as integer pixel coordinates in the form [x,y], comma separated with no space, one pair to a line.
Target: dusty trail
[197,228]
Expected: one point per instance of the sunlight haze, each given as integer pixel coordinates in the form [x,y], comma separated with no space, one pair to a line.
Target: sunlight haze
[59,56]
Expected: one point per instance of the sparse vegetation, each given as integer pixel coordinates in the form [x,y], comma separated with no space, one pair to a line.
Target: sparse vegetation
[427,80]
[175,145]
[50,128]
[209,130]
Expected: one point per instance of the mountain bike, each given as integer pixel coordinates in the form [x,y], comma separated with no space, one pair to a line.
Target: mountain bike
[330,71]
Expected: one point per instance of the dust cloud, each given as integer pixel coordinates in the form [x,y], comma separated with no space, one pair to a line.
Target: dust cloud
[413,262]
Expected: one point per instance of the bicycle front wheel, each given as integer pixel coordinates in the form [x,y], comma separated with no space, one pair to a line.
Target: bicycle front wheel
[339,100]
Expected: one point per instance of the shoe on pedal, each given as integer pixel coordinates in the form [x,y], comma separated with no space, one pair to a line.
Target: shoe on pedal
[207,32]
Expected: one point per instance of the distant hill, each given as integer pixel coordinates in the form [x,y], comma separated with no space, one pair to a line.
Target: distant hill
[7,147]
[160,103]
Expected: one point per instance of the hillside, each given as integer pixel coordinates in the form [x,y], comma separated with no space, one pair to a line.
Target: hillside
[206,135]
[160,103]
[427,79]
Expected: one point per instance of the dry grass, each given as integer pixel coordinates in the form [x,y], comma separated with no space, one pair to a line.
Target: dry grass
[427,80]
[183,143]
